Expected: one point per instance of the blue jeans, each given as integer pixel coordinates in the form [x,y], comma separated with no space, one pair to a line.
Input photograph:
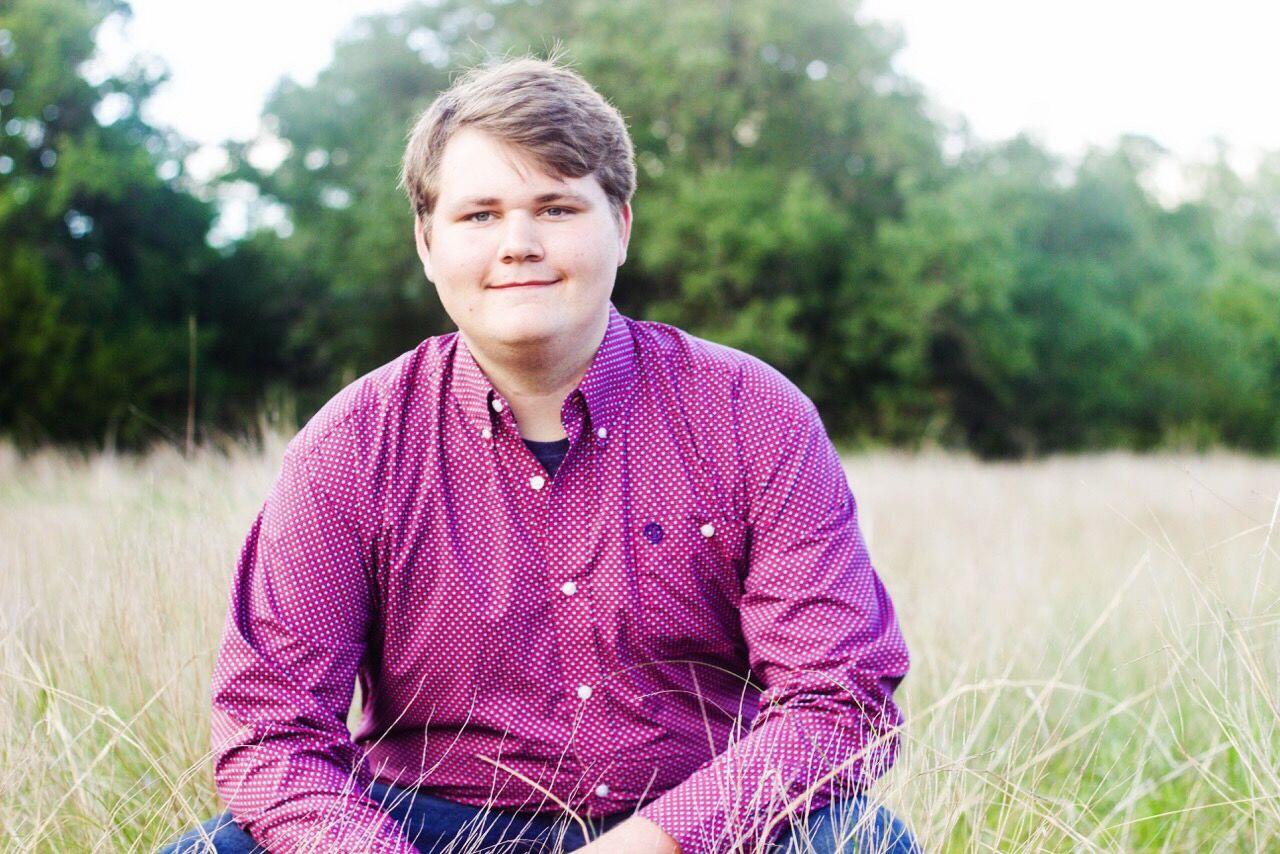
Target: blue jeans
[432,823]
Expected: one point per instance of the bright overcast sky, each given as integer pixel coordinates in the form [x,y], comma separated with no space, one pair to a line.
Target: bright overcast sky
[1074,73]
[1087,71]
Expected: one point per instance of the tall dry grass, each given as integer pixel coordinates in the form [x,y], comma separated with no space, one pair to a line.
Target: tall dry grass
[1095,644]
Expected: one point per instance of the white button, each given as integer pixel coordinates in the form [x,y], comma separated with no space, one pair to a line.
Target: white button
[603,432]
[569,588]
[486,433]
[497,405]
[708,530]
[584,692]
[602,790]
[537,481]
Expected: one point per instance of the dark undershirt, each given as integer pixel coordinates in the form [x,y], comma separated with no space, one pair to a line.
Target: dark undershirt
[550,454]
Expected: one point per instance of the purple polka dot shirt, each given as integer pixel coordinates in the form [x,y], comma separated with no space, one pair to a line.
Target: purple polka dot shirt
[683,620]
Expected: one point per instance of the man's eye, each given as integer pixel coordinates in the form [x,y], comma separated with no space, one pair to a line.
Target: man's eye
[480,216]
[557,212]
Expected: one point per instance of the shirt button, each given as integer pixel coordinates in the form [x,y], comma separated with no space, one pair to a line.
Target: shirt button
[569,588]
[486,433]
[602,790]
[497,405]
[537,481]
[603,432]
[708,530]
[584,692]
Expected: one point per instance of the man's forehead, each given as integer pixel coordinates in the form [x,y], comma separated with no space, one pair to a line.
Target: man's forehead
[470,175]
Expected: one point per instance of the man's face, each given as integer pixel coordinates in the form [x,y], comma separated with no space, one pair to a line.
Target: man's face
[518,256]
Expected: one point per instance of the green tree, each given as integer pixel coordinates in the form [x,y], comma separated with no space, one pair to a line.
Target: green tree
[792,203]
[1064,308]
[1245,297]
[956,257]
[102,254]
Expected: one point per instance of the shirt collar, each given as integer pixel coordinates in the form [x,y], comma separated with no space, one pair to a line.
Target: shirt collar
[604,386]
[607,383]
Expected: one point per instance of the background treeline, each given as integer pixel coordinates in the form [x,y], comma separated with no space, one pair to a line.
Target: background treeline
[795,201]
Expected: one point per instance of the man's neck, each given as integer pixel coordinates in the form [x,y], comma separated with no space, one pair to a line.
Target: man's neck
[535,381]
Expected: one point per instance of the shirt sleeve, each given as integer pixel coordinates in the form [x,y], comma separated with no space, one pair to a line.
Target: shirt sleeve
[284,760]
[821,637]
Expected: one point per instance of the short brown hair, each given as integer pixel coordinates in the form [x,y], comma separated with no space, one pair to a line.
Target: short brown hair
[535,104]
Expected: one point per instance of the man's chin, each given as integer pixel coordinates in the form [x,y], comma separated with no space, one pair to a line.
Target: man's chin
[531,334]
[543,329]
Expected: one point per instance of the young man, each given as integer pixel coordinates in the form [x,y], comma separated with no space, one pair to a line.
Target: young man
[579,564]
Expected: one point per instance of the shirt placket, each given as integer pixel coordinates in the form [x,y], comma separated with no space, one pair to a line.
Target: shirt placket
[571,509]
[555,511]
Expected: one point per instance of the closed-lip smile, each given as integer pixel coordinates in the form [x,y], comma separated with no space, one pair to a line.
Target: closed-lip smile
[532,283]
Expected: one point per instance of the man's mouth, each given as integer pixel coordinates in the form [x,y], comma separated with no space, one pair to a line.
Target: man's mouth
[531,283]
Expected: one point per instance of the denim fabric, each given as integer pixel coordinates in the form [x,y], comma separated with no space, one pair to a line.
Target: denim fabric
[848,826]
[432,823]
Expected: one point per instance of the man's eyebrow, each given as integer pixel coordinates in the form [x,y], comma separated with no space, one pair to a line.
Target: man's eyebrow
[544,199]
[478,202]
[547,198]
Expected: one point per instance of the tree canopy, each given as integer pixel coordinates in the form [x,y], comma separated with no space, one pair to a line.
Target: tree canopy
[793,201]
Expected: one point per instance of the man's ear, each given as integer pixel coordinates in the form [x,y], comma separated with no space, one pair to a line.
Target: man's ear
[420,240]
[624,232]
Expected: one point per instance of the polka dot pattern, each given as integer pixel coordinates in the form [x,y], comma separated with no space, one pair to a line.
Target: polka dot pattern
[684,618]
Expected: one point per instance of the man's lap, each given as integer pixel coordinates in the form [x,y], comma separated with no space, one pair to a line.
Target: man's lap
[432,823]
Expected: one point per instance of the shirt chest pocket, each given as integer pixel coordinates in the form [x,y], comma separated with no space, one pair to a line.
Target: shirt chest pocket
[689,584]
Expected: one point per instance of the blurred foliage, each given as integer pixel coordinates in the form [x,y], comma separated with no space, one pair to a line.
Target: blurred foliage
[793,202]
[101,259]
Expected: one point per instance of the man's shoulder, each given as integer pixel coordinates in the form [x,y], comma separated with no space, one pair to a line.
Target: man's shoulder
[685,353]
[748,380]
[356,410]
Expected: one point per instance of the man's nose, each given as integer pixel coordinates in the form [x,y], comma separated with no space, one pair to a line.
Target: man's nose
[520,240]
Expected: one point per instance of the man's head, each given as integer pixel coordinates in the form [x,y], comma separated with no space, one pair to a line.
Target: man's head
[520,176]
[535,105]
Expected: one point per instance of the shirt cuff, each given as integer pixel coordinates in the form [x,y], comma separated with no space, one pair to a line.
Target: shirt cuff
[741,797]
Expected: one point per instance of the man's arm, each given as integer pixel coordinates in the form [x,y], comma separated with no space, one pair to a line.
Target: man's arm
[295,632]
[821,636]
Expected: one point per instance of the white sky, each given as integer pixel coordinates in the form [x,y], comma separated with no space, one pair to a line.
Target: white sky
[1087,71]
[1073,73]
[225,57]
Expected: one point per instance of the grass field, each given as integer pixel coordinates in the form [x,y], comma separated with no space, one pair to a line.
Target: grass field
[1095,646]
